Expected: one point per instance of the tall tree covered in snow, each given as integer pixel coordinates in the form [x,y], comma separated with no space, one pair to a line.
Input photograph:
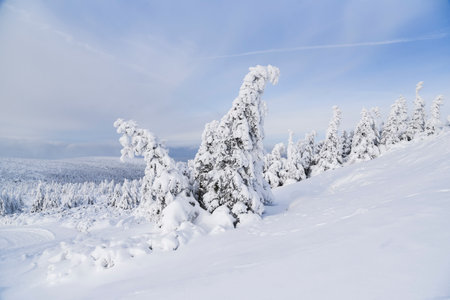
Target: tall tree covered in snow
[434,121]
[294,168]
[275,166]
[163,183]
[417,124]
[234,178]
[364,144]
[395,128]
[329,157]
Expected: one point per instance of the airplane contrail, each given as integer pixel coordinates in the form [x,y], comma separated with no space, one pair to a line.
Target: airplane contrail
[329,46]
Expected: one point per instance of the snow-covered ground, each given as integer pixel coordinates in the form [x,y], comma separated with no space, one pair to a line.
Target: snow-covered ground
[372,230]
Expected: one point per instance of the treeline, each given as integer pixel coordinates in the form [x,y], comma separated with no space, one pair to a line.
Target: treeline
[55,196]
[306,158]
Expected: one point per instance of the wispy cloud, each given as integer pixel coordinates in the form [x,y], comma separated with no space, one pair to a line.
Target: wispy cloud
[331,46]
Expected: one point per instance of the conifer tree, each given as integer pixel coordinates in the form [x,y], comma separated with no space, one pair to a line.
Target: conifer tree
[346,144]
[275,166]
[294,168]
[163,183]
[231,174]
[38,203]
[364,139]
[328,157]
[394,129]
[434,121]
[307,151]
[417,124]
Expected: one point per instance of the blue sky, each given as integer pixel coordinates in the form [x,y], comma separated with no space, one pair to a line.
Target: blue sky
[68,69]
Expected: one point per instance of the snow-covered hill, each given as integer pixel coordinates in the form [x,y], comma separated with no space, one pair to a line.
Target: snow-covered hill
[372,230]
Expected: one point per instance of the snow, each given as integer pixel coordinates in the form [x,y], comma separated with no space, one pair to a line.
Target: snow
[373,230]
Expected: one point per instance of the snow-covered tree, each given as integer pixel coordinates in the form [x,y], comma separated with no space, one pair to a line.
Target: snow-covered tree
[38,203]
[434,121]
[204,161]
[346,144]
[294,168]
[403,118]
[417,124]
[163,183]
[328,157]
[364,139]
[395,127]
[230,175]
[9,203]
[123,196]
[307,151]
[377,123]
[275,166]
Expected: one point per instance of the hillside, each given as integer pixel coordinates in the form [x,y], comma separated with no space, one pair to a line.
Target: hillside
[372,230]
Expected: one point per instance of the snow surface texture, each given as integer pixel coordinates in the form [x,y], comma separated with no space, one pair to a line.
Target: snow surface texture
[373,230]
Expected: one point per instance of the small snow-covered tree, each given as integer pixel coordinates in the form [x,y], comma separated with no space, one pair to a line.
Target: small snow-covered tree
[403,118]
[346,144]
[115,196]
[364,139]
[125,198]
[163,183]
[294,168]
[38,203]
[417,124]
[434,121]
[328,157]
[51,196]
[377,123]
[9,203]
[307,151]
[204,161]
[274,166]
[394,129]
[233,176]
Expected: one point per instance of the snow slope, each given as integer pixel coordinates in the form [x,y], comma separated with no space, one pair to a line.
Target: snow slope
[373,230]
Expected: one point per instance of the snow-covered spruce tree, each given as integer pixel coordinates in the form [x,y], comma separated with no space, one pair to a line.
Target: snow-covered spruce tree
[275,166]
[114,197]
[378,123]
[329,157]
[417,124]
[364,145]
[307,151]
[346,144]
[434,121]
[38,203]
[294,168]
[235,179]
[204,161]
[125,197]
[403,119]
[163,184]
[394,129]
[9,203]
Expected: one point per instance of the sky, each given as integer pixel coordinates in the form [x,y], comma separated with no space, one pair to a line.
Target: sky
[69,69]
